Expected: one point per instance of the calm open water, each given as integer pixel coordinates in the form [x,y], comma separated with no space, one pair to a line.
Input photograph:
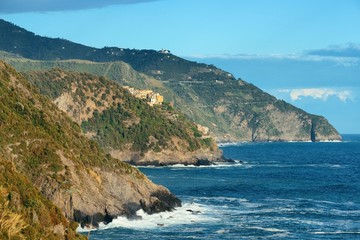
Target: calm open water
[279,191]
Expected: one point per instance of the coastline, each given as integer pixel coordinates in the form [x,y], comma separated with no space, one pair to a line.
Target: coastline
[227,144]
[348,137]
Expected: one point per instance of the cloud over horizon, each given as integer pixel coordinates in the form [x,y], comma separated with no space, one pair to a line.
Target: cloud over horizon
[346,55]
[21,6]
[318,93]
[350,50]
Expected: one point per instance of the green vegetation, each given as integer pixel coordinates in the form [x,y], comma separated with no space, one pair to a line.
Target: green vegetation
[25,213]
[34,135]
[195,95]
[154,130]
[36,132]
[195,89]
[127,120]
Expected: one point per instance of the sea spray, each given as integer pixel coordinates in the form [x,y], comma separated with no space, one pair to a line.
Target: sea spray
[189,213]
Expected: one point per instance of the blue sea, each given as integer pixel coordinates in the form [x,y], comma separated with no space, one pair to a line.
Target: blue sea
[277,191]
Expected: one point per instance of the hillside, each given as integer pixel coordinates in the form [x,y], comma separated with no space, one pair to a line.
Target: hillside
[127,127]
[25,213]
[43,144]
[233,109]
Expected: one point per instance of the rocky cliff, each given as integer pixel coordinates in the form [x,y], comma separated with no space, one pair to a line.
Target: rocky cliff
[25,213]
[258,116]
[47,147]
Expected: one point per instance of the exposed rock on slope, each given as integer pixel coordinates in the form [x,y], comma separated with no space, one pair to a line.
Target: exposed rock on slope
[50,150]
[232,109]
[25,213]
[127,127]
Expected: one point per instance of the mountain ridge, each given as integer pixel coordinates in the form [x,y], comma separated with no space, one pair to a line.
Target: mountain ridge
[232,109]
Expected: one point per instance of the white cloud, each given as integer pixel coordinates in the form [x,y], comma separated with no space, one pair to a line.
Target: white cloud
[340,60]
[344,50]
[318,93]
[346,55]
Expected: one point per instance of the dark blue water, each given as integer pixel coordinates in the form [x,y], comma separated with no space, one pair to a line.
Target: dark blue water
[280,191]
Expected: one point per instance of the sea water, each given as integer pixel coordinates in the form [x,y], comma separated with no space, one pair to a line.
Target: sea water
[277,191]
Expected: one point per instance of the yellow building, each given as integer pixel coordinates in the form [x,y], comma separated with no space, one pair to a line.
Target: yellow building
[151,97]
[155,99]
[143,94]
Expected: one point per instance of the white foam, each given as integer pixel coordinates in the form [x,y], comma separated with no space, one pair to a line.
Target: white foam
[336,233]
[325,202]
[347,213]
[225,199]
[189,213]
[321,165]
[268,229]
[187,166]
[230,144]
[331,141]
[236,163]
[216,165]
[222,231]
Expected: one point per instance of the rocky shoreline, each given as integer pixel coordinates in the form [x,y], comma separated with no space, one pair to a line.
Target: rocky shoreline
[194,162]
[232,143]
[160,202]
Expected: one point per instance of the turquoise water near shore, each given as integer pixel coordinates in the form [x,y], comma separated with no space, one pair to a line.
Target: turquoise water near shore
[278,191]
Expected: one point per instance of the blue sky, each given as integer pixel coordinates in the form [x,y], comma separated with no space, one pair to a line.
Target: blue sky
[304,51]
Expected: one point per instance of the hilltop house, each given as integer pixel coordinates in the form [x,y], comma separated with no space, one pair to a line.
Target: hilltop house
[165,51]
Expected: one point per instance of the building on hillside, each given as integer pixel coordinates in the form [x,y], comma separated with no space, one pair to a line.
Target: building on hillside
[155,99]
[149,95]
[143,94]
[165,51]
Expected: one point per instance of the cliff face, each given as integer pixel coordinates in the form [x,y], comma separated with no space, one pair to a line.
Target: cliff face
[272,120]
[74,173]
[99,195]
[25,213]
[128,128]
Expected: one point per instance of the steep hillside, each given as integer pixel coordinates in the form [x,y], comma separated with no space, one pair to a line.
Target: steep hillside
[127,127]
[232,108]
[25,213]
[46,146]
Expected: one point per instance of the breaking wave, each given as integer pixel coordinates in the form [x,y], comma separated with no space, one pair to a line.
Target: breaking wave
[189,213]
